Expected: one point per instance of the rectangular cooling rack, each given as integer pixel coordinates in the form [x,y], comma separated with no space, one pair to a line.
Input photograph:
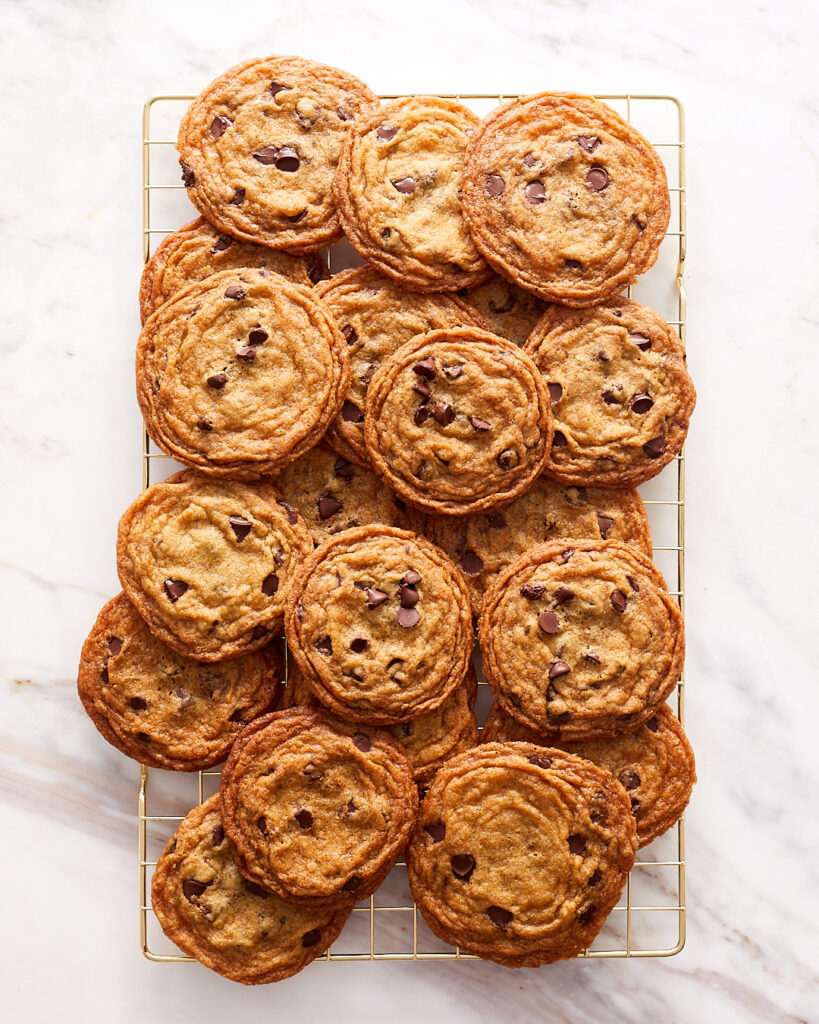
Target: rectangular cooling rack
[649,920]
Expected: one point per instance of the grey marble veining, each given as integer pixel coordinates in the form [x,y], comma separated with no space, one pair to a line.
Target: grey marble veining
[73,77]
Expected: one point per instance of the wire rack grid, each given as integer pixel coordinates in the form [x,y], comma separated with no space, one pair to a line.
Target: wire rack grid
[650,919]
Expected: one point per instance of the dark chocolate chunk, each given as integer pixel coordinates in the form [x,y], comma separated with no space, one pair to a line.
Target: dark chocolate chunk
[502,918]
[478,424]
[191,888]
[549,623]
[471,563]
[408,617]
[257,336]
[426,368]
[443,414]
[563,595]
[641,403]
[463,864]
[577,844]
[555,391]
[328,506]
[217,381]
[219,126]
[386,132]
[559,439]
[495,185]
[240,526]
[270,584]
[362,741]
[557,669]
[404,185]
[234,291]
[188,177]
[436,831]
[359,644]
[175,589]
[605,524]
[311,938]
[598,178]
[375,597]
[343,469]
[533,591]
[588,142]
[535,193]
[304,818]
[618,600]
[350,412]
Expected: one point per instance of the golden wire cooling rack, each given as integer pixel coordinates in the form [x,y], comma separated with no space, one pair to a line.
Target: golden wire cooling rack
[650,918]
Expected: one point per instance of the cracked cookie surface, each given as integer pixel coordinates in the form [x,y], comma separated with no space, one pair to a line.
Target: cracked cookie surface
[655,764]
[379,623]
[621,395]
[581,639]
[520,852]
[259,146]
[318,810]
[377,316]
[564,197]
[398,192]
[241,373]
[208,563]
[458,421]
[227,923]
[163,709]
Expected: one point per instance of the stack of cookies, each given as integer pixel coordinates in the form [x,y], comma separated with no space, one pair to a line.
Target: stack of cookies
[373,461]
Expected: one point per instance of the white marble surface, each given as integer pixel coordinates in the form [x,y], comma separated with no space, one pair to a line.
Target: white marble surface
[73,76]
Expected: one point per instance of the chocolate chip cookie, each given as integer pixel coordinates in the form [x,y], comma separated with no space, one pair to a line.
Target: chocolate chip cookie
[564,197]
[259,146]
[208,563]
[227,923]
[241,373]
[198,250]
[377,315]
[332,495]
[483,545]
[429,740]
[458,421]
[163,709]
[621,395]
[581,639]
[317,810]
[520,853]
[379,623]
[508,311]
[398,193]
[655,765]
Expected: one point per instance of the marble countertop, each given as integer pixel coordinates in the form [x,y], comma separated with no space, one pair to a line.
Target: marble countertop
[73,78]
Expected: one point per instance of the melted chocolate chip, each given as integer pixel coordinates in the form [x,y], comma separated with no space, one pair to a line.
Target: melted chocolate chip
[261,825]
[641,341]
[175,589]
[240,526]
[222,244]
[557,669]
[114,646]
[292,514]
[535,193]
[462,864]
[217,381]
[237,715]
[270,584]
[610,398]
[350,412]
[532,591]
[217,835]
[238,197]
[436,831]
[478,424]
[304,818]
[104,675]
[559,440]
[574,264]
[566,555]
[247,354]
[353,884]
[410,578]
[408,617]
[359,644]
[598,178]
[256,890]
[267,155]
[311,938]
[453,371]
[386,132]
[328,506]
[550,624]
[375,597]
[577,844]
[495,185]
[497,521]
[421,414]
[655,447]
[137,703]
[219,126]
[234,291]
[507,459]
[259,632]
[500,917]
[540,760]
[408,596]
[653,724]
[191,888]
[277,87]
[588,142]
[443,414]
[635,586]
[188,177]
[404,185]
[587,914]
[471,563]
[605,525]
[362,741]
[343,469]
[618,601]
[343,115]
[555,392]
[426,368]
[257,336]
[287,159]
[324,645]
[596,877]
[530,160]
[641,403]
[635,220]
[629,778]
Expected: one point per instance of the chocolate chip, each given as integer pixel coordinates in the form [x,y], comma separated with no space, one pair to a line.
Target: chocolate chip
[549,623]
[367,375]
[597,817]
[422,388]
[635,805]
[408,617]
[114,646]
[453,370]
[605,524]
[235,291]
[591,656]
[304,818]
[603,357]
[555,392]
[324,645]
[515,699]
[629,778]
[502,918]
[436,831]
[588,142]
[597,178]
[557,669]
[353,884]
[104,675]
[655,447]
[238,197]
[506,306]
[618,600]
[386,132]
[563,595]
[574,264]
[349,334]
[358,645]
[641,403]
[610,398]
[587,914]
[530,160]
[257,336]
[277,87]
[408,596]
[596,877]
[635,220]
[256,890]
[267,155]
[287,159]
[292,514]
[311,938]
[222,244]
[540,760]
[241,526]
[137,703]
[188,177]
[426,368]
[385,234]
[443,414]
[191,888]
[496,520]
[421,414]
[343,469]
[217,381]
[479,424]
[577,844]
[295,219]
[219,126]
[507,459]
[217,835]
[261,825]
[535,193]
[635,586]
[270,584]
[362,741]
[463,864]
[259,632]
[642,341]
[404,185]
[175,589]
[237,715]
[533,591]
[566,555]
[328,506]
[344,115]
[350,413]
[247,354]
[653,724]
[471,563]
[495,185]
[375,597]
[559,439]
